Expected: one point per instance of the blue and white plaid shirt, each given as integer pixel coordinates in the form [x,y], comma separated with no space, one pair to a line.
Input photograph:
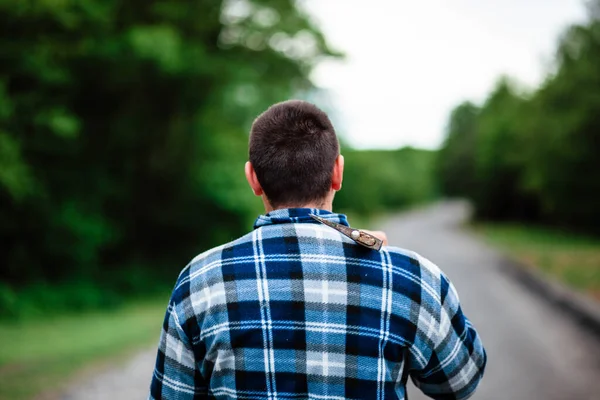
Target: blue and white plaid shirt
[296,310]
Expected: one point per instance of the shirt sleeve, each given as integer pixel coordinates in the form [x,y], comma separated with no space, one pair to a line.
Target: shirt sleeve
[457,359]
[176,374]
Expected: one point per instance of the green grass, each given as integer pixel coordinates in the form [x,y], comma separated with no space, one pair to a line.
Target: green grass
[570,258]
[43,354]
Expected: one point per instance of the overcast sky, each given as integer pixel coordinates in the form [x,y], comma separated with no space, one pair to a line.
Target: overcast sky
[410,62]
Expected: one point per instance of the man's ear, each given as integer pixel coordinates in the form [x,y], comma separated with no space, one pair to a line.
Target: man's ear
[338,173]
[252,179]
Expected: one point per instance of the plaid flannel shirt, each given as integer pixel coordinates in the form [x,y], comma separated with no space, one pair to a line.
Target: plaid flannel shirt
[296,310]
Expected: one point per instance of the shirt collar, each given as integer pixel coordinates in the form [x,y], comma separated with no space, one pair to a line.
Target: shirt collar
[298,216]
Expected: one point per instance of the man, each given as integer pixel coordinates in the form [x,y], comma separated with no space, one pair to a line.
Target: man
[295,309]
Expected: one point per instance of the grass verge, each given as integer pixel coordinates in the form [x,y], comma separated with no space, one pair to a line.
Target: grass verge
[41,355]
[567,257]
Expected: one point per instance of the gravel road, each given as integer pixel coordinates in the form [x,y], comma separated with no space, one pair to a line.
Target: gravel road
[535,351]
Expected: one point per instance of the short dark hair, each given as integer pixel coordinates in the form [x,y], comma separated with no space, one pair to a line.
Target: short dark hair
[293,148]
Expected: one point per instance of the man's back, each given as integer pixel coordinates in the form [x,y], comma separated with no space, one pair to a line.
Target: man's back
[296,310]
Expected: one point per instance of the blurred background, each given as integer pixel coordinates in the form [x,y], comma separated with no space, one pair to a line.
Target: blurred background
[124,128]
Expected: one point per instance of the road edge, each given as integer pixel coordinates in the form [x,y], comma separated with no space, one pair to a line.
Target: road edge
[583,309]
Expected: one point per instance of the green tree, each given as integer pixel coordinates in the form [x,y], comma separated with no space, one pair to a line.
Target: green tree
[123,129]
[455,164]
[563,164]
[499,160]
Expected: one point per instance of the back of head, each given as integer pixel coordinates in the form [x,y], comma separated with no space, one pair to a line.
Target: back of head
[293,148]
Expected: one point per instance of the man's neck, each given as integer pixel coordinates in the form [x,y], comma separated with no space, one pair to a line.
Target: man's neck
[324,205]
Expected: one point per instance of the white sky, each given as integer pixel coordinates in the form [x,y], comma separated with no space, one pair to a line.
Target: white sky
[410,62]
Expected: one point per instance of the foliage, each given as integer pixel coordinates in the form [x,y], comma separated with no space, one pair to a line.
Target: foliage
[123,133]
[564,166]
[456,160]
[380,180]
[534,156]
